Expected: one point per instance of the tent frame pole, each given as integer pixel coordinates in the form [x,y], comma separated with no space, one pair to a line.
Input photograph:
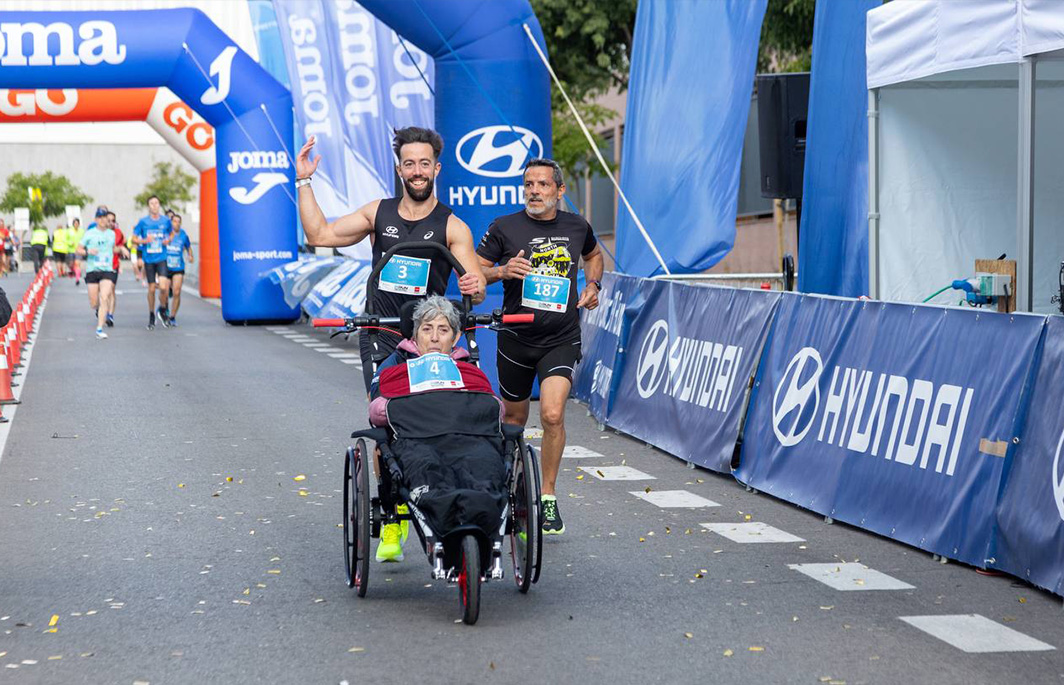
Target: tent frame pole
[873,193]
[1025,189]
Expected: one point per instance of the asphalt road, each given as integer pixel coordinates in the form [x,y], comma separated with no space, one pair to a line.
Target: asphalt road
[119,522]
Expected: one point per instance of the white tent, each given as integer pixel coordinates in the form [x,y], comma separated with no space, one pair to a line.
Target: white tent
[966,144]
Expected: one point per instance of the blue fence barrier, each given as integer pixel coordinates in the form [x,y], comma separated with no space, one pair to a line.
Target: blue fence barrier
[1029,542]
[892,417]
[938,427]
[669,363]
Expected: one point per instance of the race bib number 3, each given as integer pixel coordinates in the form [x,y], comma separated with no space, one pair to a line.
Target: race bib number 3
[547,293]
[433,371]
[405,275]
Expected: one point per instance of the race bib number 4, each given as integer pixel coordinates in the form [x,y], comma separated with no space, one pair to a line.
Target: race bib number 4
[433,371]
[547,293]
[405,275]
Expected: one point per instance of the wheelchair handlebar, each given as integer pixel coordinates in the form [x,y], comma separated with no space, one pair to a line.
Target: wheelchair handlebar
[496,318]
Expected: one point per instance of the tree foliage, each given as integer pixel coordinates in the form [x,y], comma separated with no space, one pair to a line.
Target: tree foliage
[590,44]
[170,183]
[786,37]
[56,193]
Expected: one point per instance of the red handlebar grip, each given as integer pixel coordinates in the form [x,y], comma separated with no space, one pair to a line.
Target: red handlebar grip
[329,323]
[518,318]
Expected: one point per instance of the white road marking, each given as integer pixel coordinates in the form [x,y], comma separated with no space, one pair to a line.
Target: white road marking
[976,634]
[278,329]
[578,452]
[674,499]
[313,345]
[753,531]
[848,577]
[616,473]
[301,338]
[343,355]
[351,361]
[328,349]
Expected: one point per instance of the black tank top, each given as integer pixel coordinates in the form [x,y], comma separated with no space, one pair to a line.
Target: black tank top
[390,229]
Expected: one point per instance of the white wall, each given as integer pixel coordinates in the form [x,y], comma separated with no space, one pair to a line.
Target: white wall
[1048,248]
[948,165]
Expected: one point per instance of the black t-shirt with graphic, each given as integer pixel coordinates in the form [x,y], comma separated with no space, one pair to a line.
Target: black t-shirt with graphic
[552,246]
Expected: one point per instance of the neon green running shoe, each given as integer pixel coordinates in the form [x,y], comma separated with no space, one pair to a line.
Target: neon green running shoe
[404,526]
[390,548]
[552,520]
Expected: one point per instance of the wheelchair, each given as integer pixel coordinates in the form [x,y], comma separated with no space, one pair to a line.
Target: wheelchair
[462,540]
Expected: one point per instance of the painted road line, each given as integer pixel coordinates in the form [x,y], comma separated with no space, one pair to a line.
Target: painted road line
[578,452]
[976,634]
[313,345]
[753,531]
[329,349]
[616,473]
[344,355]
[351,361]
[278,329]
[674,499]
[847,577]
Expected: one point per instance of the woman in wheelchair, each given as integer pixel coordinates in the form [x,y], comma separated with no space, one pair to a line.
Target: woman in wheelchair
[458,448]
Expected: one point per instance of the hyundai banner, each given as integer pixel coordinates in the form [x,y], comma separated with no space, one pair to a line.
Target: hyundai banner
[685,364]
[297,278]
[341,294]
[1030,514]
[893,417]
[600,334]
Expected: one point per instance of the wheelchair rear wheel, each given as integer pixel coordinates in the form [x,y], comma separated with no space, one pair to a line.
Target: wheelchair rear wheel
[469,580]
[357,517]
[524,529]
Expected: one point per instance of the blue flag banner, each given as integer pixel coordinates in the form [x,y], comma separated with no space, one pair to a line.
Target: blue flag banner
[316,85]
[895,418]
[689,90]
[342,293]
[833,256]
[386,85]
[297,278]
[1030,515]
[600,333]
[688,355]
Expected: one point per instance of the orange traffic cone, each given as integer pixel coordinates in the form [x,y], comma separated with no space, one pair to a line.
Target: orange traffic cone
[5,384]
[14,347]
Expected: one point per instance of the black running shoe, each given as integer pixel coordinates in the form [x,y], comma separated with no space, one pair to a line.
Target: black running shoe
[163,319]
[552,520]
[110,320]
[151,321]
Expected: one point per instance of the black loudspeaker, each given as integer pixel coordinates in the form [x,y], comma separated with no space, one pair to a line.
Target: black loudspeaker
[782,109]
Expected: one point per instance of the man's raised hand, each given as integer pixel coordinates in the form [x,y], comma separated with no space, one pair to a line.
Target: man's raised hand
[305,166]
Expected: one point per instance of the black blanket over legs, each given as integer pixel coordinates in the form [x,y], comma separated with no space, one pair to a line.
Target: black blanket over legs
[449,445]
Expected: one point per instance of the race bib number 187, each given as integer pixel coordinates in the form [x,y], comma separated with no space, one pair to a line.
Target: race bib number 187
[405,275]
[547,293]
[434,371]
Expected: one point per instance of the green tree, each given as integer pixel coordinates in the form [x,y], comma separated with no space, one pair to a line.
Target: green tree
[786,37]
[170,183]
[589,43]
[56,193]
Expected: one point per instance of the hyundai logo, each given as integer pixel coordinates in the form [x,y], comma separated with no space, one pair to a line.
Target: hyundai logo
[797,390]
[653,359]
[498,151]
[1058,479]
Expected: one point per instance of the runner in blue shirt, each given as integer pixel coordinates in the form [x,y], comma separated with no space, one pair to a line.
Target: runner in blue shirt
[151,235]
[175,264]
[98,247]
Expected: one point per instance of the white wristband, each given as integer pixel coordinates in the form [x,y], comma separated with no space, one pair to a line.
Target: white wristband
[300,182]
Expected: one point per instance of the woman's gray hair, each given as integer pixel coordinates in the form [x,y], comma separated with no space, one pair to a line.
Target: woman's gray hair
[433,307]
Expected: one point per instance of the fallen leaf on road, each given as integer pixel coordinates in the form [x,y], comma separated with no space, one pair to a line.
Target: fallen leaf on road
[755,648]
[728,652]
[300,477]
[356,649]
[688,635]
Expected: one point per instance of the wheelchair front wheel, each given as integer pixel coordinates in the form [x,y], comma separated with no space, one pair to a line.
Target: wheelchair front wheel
[469,580]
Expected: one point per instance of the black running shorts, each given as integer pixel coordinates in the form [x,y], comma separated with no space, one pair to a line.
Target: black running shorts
[155,270]
[519,365]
